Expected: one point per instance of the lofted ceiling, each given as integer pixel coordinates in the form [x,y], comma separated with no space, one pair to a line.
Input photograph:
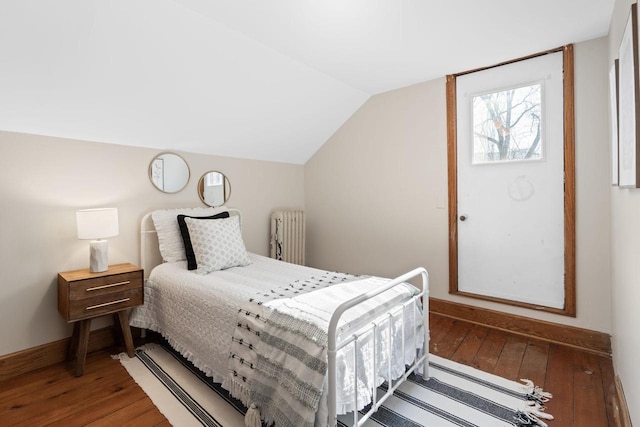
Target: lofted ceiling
[269,80]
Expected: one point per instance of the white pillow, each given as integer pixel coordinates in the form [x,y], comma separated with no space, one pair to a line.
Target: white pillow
[217,244]
[169,238]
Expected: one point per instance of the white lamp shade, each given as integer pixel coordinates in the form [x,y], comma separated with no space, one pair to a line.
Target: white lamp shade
[97,223]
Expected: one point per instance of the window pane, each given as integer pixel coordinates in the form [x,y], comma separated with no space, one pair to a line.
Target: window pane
[507,125]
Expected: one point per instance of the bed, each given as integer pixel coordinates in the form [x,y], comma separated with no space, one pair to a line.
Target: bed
[297,345]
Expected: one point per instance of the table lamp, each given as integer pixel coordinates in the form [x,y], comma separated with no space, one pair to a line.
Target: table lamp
[95,225]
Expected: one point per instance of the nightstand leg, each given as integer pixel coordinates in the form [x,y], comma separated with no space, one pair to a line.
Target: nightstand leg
[73,343]
[83,344]
[126,331]
[117,330]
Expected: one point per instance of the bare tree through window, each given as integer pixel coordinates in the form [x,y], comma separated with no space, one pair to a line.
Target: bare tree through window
[507,125]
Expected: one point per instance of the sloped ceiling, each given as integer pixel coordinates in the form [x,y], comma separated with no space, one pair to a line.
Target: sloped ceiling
[269,80]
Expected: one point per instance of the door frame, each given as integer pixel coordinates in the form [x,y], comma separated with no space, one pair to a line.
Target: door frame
[569,308]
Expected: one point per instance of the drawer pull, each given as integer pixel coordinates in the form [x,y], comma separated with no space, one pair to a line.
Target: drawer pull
[108,303]
[97,288]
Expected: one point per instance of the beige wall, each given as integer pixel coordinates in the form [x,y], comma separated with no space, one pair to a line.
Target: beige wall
[625,244]
[376,192]
[372,191]
[44,180]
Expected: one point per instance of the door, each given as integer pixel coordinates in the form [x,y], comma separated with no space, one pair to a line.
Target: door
[510,220]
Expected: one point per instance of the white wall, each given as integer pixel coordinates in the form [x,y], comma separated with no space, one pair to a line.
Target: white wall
[625,247]
[43,180]
[376,192]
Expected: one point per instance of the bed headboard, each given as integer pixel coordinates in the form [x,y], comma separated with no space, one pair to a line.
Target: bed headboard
[149,250]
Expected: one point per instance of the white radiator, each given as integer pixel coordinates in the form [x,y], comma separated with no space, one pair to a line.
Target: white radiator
[287,236]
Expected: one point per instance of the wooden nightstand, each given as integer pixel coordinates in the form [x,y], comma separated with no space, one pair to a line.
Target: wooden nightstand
[83,295]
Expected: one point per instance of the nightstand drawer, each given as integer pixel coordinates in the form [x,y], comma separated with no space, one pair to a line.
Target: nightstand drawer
[107,285]
[83,295]
[104,304]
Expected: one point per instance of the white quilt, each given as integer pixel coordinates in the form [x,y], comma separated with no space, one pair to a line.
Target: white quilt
[198,316]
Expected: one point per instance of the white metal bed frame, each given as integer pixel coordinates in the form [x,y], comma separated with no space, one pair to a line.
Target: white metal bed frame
[148,231]
[334,346]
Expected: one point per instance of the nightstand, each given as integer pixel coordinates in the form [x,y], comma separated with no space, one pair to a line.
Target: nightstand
[83,296]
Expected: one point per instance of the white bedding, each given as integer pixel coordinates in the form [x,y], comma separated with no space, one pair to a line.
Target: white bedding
[288,383]
[198,314]
[212,302]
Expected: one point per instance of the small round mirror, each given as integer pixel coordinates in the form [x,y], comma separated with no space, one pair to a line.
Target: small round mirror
[168,172]
[214,189]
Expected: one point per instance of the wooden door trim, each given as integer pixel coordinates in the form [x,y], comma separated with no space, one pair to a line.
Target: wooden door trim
[452,155]
[569,185]
[569,308]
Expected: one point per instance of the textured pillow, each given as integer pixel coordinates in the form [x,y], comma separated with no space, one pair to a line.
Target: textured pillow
[166,224]
[217,244]
[186,239]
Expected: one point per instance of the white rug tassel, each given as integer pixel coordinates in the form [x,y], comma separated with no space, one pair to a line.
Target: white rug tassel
[536,419]
[252,417]
[537,392]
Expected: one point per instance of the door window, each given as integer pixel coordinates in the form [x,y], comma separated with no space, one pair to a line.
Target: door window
[507,124]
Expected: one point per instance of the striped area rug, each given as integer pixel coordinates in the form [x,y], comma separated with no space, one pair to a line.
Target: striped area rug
[454,395]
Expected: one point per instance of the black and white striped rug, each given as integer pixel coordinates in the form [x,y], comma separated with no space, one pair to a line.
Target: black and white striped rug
[454,395]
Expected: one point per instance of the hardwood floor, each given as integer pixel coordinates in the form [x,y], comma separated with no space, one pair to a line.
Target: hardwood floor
[582,383]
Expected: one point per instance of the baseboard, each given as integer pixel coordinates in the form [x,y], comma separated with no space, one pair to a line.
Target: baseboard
[584,339]
[623,417]
[44,355]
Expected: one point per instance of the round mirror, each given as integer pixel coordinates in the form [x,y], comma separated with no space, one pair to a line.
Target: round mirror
[168,172]
[214,188]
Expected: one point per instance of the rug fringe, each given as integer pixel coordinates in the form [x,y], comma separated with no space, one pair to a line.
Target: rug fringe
[534,392]
[526,418]
[533,412]
[125,356]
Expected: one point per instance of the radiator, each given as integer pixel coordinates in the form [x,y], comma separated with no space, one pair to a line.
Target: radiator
[287,236]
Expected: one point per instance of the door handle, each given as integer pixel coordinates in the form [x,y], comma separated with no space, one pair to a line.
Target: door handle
[463,217]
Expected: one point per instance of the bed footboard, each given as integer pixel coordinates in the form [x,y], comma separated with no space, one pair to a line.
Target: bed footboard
[334,345]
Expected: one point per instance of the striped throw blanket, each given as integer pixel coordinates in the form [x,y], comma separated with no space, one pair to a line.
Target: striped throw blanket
[288,384]
[251,320]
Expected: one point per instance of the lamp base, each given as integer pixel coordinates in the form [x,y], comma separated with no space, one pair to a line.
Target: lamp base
[98,256]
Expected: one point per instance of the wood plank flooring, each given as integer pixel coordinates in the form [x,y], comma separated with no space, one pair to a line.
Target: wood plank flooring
[582,383]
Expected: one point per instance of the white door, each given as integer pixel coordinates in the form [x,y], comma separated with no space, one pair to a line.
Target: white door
[510,175]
